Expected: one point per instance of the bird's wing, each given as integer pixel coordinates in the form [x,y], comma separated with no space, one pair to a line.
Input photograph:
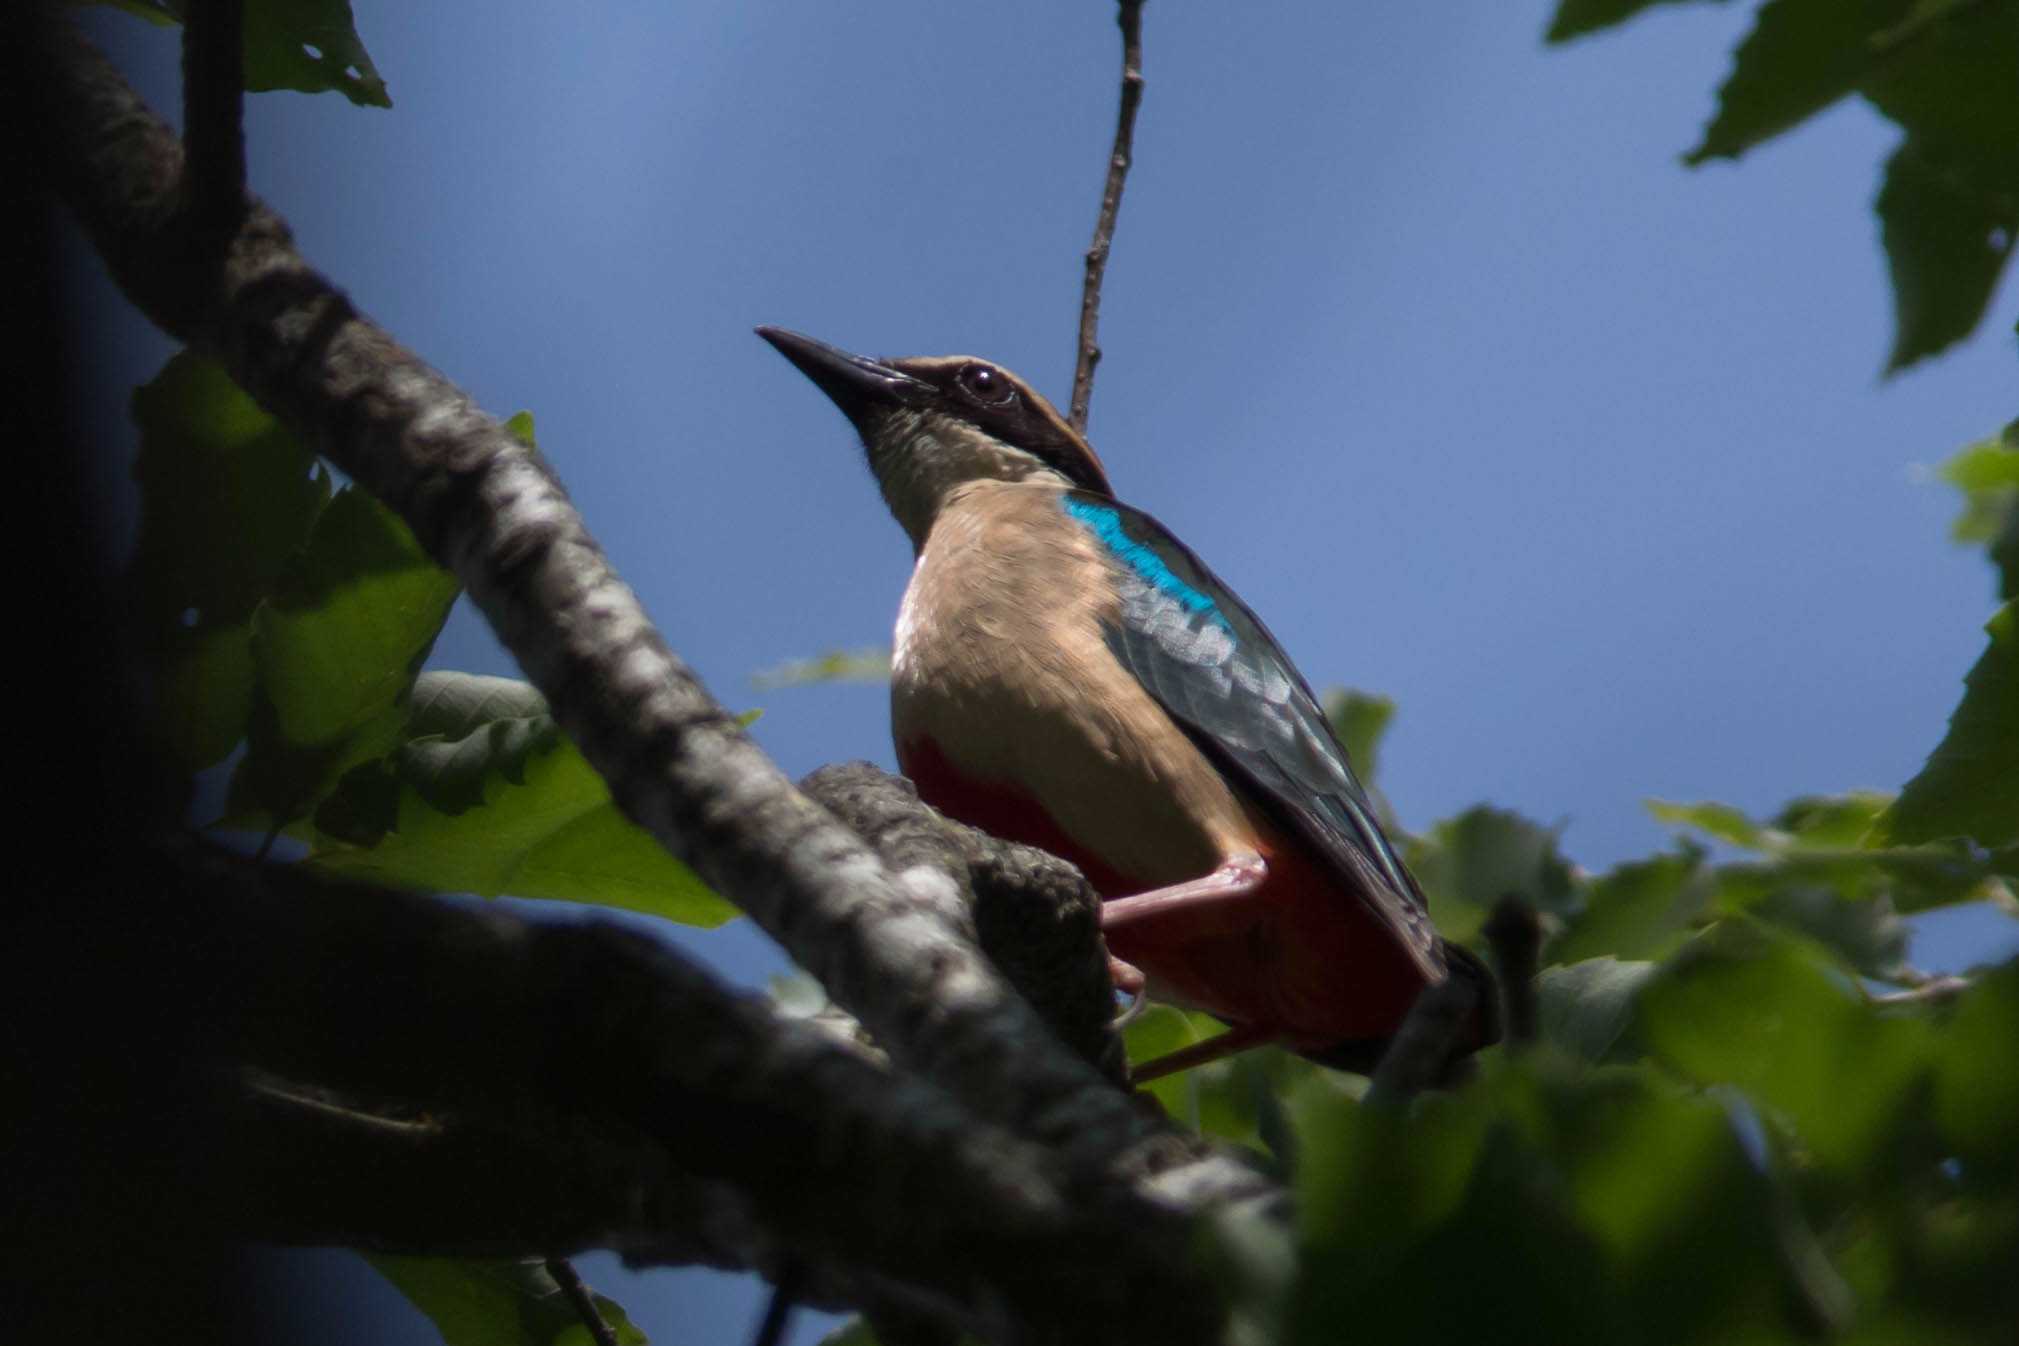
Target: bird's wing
[1215,669]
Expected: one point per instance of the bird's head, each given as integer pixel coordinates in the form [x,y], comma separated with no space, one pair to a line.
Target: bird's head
[934,424]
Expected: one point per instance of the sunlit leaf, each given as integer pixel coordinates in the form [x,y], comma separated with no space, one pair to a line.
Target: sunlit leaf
[1721,821]
[310,46]
[1987,473]
[475,1301]
[499,805]
[337,646]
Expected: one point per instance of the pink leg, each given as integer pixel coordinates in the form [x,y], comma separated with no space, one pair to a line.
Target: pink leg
[1214,904]
[1128,978]
[1236,1039]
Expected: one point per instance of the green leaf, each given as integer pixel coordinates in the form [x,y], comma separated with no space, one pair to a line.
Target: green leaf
[1641,909]
[1586,1008]
[1574,18]
[1801,56]
[1970,785]
[1720,821]
[1987,473]
[488,798]
[868,664]
[226,497]
[310,46]
[477,1301]
[1948,231]
[1949,77]
[337,646]
[1468,863]
[1742,1007]
[854,1332]
[1976,1087]
[1812,822]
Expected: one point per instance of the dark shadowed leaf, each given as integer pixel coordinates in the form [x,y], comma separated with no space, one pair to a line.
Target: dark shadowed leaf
[1949,77]
[1976,1084]
[477,1301]
[1801,56]
[227,496]
[1586,1008]
[1970,785]
[1948,233]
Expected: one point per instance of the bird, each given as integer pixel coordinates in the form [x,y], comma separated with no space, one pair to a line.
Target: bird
[1065,673]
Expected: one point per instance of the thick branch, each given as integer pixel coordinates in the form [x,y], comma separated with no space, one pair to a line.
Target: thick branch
[1129,17]
[668,1105]
[1036,917]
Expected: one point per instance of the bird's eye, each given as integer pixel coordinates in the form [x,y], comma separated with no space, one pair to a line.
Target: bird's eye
[986,386]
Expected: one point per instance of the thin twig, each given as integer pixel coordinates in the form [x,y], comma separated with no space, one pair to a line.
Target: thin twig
[778,1313]
[564,1274]
[1130,19]
[213,116]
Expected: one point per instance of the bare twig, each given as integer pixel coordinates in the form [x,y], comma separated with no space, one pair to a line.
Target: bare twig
[565,1276]
[213,117]
[778,1312]
[1130,18]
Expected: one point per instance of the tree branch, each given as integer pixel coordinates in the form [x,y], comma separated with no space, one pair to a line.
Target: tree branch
[887,947]
[1129,17]
[1036,917]
[635,1088]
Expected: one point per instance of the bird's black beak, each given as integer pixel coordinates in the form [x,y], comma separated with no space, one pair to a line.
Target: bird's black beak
[861,387]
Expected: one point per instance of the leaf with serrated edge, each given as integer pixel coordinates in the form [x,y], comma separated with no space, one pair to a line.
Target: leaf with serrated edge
[1970,785]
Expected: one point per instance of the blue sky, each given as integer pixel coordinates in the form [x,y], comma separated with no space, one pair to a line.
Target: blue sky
[1416,330]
